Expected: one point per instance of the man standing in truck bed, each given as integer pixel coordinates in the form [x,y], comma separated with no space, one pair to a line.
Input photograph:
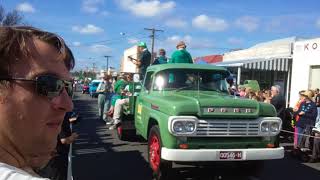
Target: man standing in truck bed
[181,55]
[145,58]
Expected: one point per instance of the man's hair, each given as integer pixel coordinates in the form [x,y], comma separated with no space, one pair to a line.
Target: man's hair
[15,41]
[276,87]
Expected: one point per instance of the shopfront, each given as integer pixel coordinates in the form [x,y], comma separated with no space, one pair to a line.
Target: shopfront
[305,67]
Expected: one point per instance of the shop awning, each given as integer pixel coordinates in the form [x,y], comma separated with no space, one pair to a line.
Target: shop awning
[272,64]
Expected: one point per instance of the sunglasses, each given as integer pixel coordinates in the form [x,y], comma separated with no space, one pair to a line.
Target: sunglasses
[47,85]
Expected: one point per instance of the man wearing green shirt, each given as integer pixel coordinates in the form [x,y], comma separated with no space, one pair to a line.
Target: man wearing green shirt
[118,88]
[181,55]
[119,103]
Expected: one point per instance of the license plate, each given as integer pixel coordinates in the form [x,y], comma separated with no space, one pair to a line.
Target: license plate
[230,155]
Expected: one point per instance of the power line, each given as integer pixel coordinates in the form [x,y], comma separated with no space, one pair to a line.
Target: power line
[108,41]
[153,31]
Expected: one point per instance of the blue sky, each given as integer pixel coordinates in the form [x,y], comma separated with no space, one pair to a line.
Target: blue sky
[95,28]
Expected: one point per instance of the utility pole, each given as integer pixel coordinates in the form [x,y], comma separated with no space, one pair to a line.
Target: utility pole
[107,62]
[94,67]
[153,31]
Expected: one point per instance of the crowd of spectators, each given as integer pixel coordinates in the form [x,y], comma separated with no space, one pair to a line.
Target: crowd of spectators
[304,119]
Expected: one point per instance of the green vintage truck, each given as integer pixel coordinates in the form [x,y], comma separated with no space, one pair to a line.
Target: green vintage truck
[185,113]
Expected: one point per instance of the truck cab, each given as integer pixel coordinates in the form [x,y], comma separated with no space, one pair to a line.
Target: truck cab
[186,114]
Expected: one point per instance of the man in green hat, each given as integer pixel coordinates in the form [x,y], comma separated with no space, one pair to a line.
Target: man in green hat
[181,55]
[144,60]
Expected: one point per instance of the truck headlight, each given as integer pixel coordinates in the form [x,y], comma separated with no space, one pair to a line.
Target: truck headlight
[274,127]
[264,127]
[178,127]
[182,125]
[190,126]
[270,126]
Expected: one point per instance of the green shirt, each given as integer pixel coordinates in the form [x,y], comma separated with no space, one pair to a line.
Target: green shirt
[181,56]
[119,85]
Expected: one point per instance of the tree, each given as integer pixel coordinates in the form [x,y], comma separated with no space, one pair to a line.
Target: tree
[10,18]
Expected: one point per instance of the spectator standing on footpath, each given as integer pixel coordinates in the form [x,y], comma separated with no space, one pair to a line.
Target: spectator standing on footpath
[307,115]
[162,59]
[181,55]
[296,119]
[316,144]
[317,101]
[104,89]
[145,59]
[277,101]
[34,69]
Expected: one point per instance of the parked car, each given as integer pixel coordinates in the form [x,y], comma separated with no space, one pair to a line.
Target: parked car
[85,89]
[93,87]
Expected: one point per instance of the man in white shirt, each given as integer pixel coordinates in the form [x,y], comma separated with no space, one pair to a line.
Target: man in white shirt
[35,94]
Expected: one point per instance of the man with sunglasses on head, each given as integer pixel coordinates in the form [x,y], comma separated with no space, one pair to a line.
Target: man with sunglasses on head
[35,94]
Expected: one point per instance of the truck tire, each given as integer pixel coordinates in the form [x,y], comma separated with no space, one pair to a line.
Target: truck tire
[161,169]
[122,135]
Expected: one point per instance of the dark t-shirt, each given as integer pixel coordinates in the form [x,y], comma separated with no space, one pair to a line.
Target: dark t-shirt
[317,100]
[279,103]
[145,61]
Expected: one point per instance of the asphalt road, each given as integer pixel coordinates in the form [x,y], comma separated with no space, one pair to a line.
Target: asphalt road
[98,154]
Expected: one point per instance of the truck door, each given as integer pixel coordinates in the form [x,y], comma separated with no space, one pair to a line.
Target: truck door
[143,105]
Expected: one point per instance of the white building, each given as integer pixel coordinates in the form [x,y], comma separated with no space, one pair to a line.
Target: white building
[305,67]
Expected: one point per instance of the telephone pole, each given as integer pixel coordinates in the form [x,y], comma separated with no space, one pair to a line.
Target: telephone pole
[107,62]
[153,31]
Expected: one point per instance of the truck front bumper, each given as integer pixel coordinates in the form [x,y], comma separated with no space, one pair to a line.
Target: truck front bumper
[193,155]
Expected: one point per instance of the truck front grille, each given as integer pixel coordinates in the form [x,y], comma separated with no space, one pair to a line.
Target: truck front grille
[233,128]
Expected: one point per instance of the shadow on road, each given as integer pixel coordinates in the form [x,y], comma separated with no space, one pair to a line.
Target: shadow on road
[93,153]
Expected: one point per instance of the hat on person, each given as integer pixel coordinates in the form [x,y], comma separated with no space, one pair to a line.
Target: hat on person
[142,44]
[162,50]
[308,94]
[181,43]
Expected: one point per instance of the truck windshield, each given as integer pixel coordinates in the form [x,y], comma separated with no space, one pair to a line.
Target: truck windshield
[191,79]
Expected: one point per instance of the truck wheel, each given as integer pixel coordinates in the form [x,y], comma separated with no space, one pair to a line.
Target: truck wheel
[120,133]
[161,169]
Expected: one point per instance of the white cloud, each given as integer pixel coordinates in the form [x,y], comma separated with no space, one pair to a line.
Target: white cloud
[105,13]
[149,8]
[91,6]
[99,49]
[209,23]
[76,43]
[248,23]
[176,23]
[88,29]
[235,41]
[192,43]
[318,23]
[133,40]
[25,7]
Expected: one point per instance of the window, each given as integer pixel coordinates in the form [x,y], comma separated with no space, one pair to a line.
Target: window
[148,80]
[191,79]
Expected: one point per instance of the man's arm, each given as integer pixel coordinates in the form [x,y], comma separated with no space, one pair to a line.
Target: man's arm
[135,61]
